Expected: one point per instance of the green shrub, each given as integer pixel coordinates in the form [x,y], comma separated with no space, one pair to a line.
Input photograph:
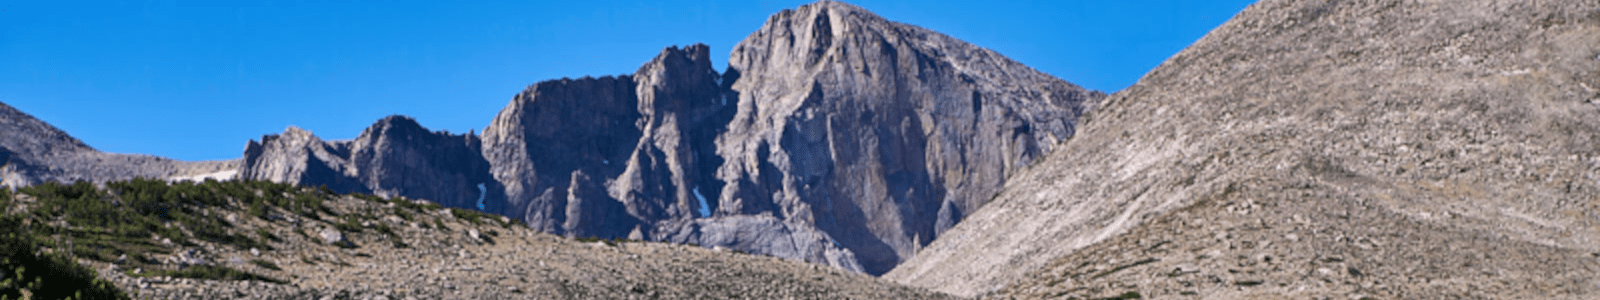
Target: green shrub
[265,264]
[469,215]
[268,236]
[46,275]
[403,214]
[439,224]
[384,229]
[352,223]
[213,273]
[307,205]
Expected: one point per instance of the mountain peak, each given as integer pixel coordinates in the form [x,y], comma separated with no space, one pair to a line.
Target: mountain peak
[394,125]
[23,134]
[842,113]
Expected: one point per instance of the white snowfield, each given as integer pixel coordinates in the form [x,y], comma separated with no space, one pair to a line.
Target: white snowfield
[223,175]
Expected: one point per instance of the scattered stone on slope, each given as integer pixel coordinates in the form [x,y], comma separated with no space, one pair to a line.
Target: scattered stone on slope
[1296,241]
[1384,149]
[408,250]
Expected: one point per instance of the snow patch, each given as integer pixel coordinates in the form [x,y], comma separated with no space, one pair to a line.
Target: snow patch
[223,175]
[705,209]
[481,192]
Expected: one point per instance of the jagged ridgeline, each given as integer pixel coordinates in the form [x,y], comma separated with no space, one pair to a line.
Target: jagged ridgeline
[834,136]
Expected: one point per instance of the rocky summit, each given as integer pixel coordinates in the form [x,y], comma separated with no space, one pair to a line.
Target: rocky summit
[880,134]
[1318,150]
[834,136]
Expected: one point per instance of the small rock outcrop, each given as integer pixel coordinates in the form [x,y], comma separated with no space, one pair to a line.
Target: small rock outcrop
[1318,149]
[394,157]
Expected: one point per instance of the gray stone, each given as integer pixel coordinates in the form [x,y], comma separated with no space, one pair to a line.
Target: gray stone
[394,157]
[332,236]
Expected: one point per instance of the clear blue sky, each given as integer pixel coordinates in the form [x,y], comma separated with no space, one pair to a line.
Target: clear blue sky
[196,80]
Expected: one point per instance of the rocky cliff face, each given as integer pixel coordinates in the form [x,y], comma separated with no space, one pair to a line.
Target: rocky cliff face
[635,157]
[1318,149]
[33,152]
[394,157]
[878,133]
[835,136]
[562,146]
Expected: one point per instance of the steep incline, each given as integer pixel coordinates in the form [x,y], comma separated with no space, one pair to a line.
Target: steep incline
[878,133]
[1307,149]
[608,156]
[33,152]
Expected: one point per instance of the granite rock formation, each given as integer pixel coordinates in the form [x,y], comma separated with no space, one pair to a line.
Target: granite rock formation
[33,152]
[607,156]
[880,134]
[835,136]
[635,157]
[1318,149]
[393,157]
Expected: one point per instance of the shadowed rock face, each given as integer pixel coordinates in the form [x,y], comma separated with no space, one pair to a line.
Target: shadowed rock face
[394,157]
[1318,149]
[33,152]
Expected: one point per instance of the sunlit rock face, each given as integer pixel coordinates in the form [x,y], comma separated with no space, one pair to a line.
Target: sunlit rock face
[880,134]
